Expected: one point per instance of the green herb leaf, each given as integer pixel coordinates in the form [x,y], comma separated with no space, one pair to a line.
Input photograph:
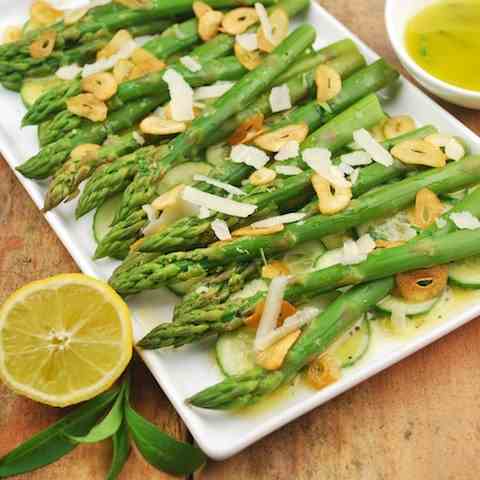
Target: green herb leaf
[109,425]
[48,446]
[161,450]
[121,451]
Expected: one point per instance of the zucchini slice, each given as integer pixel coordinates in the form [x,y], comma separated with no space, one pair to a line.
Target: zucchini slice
[355,344]
[104,217]
[184,173]
[33,88]
[390,304]
[235,354]
[304,257]
[216,155]
[466,273]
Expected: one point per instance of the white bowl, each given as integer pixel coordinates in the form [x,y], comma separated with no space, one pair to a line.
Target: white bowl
[397,14]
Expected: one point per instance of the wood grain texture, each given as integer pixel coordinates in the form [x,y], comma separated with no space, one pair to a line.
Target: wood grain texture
[418,420]
[30,250]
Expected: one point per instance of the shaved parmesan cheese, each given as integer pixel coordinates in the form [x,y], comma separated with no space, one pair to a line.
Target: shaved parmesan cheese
[217,89]
[345,168]
[204,213]
[138,138]
[279,220]
[298,320]
[366,244]
[181,96]
[354,176]
[108,63]
[465,221]
[248,41]
[454,150]
[160,112]
[64,5]
[288,170]
[216,183]
[218,204]
[265,22]
[190,63]
[355,159]
[252,156]
[271,310]
[141,41]
[69,72]
[319,160]
[378,153]
[221,230]
[280,99]
[290,150]
[351,253]
[151,212]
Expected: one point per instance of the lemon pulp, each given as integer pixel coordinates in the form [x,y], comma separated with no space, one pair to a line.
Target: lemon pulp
[444,39]
[64,340]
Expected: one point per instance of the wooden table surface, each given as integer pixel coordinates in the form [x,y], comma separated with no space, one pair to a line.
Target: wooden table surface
[418,420]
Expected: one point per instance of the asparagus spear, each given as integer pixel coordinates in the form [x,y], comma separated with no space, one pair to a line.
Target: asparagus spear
[190,231]
[333,135]
[174,39]
[227,68]
[45,163]
[335,321]
[142,189]
[67,179]
[168,44]
[182,266]
[12,74]
[230,172]
[434,246]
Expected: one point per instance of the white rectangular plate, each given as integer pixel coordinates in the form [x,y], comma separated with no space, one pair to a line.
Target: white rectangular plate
[186,371]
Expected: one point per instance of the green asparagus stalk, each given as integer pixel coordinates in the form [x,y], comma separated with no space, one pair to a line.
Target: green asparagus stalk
[432,247]
[227,68]
[182,266]
[53,156]
[67,179]
[115,177]
[12,74]
[174,39]
[142,189]
[46,162]
[230,172]
[190,231]
[335,321]
[333,135]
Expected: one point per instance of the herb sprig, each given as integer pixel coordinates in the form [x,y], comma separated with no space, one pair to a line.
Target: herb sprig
[118,421]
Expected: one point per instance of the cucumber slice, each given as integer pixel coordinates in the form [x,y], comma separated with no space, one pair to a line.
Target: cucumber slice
[182,174]
[355,345]
[104,217]
[390,304]
[304,257]
[396,228]
[465,274]
[33,88]
[235,354]
[216,155]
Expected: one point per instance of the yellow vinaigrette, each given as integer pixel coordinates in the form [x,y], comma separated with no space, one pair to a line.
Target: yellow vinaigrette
[444,39]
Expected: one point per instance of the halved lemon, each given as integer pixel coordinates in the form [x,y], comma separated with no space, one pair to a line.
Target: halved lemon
[64,340]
